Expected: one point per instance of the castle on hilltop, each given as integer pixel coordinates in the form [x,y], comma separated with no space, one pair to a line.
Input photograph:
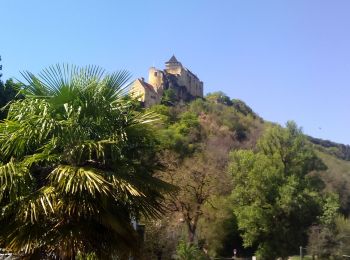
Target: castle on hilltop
[184,84]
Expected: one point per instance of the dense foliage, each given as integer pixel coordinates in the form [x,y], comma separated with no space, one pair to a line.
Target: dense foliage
[82,164]
[196,139]
[77,166]
[262,198]
[8,92]
[274,200]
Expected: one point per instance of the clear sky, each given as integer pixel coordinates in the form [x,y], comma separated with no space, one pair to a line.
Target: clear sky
[288,60]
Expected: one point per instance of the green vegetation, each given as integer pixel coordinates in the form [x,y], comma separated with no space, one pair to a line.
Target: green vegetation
[188,251]
[297,257]
[274,201]
[169,97]
[8,93]
[81,162]
[340,151]
[263,199]
[77,165]
[337,179]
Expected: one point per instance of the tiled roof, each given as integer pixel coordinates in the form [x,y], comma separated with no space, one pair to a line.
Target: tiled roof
[173,60]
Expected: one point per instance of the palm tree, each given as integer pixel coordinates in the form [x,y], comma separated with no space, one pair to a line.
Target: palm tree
[77,166]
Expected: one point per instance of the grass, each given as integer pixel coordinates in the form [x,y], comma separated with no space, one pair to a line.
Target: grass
[296,257]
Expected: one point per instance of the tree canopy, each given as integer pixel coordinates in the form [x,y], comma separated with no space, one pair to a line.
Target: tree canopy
[274,201]
[77,165]
[8,92]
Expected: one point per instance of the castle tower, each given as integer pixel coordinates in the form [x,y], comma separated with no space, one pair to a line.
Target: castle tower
[173,66]
[156,79]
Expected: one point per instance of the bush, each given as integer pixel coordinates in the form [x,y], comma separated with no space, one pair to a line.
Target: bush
[187,251]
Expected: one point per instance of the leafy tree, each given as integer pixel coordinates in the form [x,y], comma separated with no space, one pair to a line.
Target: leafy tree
[182,135]
[330,238]
[77,166]
[169,97]
[218,227]
[163,112]
[320,242]
[8,92]
[330,210]
[342,237]
[219,97]
[242,107]
[196,139]
[162,236]
[197,178]
[273,200]
[322,238]
[330,241]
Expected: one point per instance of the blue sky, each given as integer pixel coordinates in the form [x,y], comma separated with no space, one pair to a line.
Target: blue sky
[288,60]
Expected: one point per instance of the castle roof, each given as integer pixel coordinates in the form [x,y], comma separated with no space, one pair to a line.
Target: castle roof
[190,72]
[173,60]
[147,86]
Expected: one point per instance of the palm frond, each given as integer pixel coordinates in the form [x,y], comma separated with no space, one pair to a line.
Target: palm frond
[14,178]
[78,180]
[37,204]
[34,87]
[76,158]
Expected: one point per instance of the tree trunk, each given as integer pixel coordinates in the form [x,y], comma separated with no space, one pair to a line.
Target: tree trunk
[191,232]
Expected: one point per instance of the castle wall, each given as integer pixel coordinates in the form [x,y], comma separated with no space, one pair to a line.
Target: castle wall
[137,91]
[156,79]
[145,95]
[151,98]
[191,82]
[185,78]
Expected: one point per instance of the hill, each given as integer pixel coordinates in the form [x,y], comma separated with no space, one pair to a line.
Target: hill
[336,178]
[196,139]
[340,151]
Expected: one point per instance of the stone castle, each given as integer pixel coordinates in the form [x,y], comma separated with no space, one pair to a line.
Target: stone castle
[184,84]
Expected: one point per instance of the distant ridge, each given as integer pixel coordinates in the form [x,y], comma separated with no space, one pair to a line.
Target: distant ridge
[341,151]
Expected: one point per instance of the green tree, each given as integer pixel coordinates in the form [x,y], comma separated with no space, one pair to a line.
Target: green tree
[273,200]
[217,228]
[8,92]
[183,135]
[169,97]
[322,239]
[342,237]
[77,166]
[242,107]
[194,177]
[219,97]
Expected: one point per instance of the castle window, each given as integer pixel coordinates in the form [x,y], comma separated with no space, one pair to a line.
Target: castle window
[155,74]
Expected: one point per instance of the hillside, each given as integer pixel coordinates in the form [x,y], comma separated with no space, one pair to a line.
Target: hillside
[337,178]
[238,182]
[196,140]
[340,151]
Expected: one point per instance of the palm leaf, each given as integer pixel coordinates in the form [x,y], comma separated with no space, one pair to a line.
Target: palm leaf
[77,164]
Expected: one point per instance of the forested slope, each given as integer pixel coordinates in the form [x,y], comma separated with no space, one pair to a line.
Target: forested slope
[337,178]
[340,151]
[200,144]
